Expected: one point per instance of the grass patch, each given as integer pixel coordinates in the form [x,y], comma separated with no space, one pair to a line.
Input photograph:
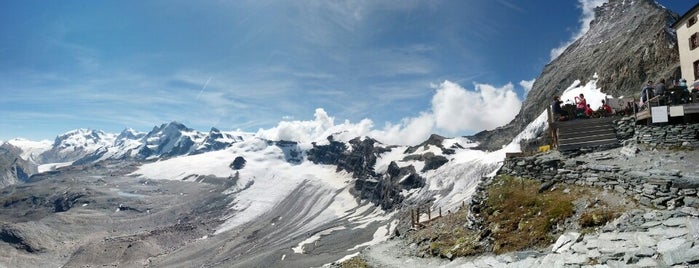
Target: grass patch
[354,262]
[519,217]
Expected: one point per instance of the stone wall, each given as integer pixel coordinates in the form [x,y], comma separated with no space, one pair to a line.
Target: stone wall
[625,127]
[655,187]
[686,136]
[670,135]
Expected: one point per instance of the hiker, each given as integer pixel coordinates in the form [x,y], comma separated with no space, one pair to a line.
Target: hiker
[558,113]
[647,92]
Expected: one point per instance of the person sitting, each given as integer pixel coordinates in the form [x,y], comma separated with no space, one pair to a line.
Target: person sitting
[606,110]
[588,111]
[675,94]
[684,91]
[558,113]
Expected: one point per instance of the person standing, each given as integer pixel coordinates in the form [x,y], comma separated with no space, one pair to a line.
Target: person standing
[647,92]
[558,113]
[661,90]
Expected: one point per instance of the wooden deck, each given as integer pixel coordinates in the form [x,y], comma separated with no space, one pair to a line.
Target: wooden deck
[689,108]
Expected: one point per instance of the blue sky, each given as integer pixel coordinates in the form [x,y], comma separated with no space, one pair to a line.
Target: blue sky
[251,64]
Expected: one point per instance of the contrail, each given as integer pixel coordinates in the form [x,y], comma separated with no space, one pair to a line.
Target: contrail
[204,87]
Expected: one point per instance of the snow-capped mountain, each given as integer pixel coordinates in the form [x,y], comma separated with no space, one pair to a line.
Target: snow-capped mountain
[82,146]
[216,140]
[76,144]
[166,140]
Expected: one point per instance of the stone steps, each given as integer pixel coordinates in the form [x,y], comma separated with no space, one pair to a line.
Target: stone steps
[584,133]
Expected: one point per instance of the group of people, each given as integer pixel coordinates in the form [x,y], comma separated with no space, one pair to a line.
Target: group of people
[677,93]
[581,109]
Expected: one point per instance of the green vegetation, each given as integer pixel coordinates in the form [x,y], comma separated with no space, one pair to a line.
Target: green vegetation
[516,216]
[354,262]
[519,217]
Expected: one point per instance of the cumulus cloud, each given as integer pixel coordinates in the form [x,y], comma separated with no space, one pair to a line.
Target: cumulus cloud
[457,109]
[527,85]
[588,15]
[410,131]
[298,130]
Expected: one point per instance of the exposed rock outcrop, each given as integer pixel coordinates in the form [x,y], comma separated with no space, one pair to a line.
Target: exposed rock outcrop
[17,238]
[359,159]
[238,163]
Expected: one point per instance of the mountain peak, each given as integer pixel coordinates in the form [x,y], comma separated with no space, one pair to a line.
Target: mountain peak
[130,133]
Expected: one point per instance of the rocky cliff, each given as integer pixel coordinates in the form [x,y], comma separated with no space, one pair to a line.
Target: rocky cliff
[628,43]
[13,168]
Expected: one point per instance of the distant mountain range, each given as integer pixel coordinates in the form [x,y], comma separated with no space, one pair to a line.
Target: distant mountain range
[83,146]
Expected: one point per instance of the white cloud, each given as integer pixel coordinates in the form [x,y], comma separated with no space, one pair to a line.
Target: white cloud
[410,131]
[454,109]
[457,109]
[588,15]
[527,85]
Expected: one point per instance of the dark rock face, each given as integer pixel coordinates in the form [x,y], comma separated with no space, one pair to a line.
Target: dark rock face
[433,162]
[361,160]
[327,154]
[628,43]
[385,189]
[238,163]
[380,189]
[66,202]
[405,176]
[292,153]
